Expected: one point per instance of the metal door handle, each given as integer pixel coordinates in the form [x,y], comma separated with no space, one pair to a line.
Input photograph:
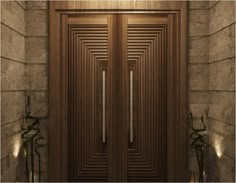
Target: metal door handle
[131,108]
[103,106]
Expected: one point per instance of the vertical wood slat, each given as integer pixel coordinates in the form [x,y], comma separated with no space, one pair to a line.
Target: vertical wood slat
[58,168]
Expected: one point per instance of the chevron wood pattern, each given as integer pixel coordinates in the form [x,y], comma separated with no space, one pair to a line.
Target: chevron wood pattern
[88,57]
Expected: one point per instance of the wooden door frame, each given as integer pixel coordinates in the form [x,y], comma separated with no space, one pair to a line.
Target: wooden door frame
[177,137]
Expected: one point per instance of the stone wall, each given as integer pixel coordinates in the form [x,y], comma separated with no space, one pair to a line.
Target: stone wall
[221,123]
[198,56]
[211,60]
[12,85]
[36,16]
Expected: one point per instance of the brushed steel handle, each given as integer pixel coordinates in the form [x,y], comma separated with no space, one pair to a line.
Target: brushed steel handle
[103,106]
[131,108]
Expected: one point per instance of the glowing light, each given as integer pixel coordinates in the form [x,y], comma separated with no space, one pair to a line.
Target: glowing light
[16,147]
[218,145]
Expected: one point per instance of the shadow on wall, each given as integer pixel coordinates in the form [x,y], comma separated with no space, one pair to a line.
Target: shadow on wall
[211,167]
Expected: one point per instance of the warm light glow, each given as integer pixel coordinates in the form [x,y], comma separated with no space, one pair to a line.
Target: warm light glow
[16,147]
[218,145]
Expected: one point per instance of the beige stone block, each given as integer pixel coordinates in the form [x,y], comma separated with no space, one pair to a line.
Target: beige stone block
[11,146]
[13,44]
[213,3]
[227,168]
[21,2]
[221,15]
[12,75]
[222,106]
[37,50]
[198,22]
[11,129]
[37,4]
[198,110]
[198,76]
[198,50]
[12,106]
[222,44]
[13,16]
[37,77]
[222,75]
[37,23]
[9,175]
[229,147]
[220,128]
[198,97]
[225,175]
[39,103]
[198,5]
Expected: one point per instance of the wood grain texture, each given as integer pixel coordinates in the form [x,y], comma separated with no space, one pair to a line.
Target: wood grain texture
[147,49]
[75,86]
[88,57]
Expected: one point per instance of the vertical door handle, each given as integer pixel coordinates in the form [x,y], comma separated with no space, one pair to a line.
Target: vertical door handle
[131,108]
[103,106]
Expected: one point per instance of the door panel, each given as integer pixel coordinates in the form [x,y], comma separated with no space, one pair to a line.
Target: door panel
[88,60]
[117,91]
[146,42]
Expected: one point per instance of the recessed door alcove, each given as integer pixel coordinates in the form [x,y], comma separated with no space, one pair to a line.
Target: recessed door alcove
[117,91]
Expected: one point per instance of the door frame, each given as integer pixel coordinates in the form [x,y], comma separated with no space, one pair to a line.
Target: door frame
[177,136]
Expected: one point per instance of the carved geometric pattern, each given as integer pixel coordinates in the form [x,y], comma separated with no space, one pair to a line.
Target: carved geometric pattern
[147,58]
[88,56]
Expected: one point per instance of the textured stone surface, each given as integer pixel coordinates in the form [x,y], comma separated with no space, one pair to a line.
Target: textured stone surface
[36,4]
[11,129]
[11,145]
[13,16]
[223,145]
[36,50]
[198,4]
[198,97]
[22,3]
[222,106]
[14,44]
[37,77]
[212,3]
[222,75]
[198,77]
[198,110]
[198,22]
[37,23]
[39,103]
[13,106]
[221,128]
[227,164]
[221,15]
[222,44]
[13,77]
[198,50]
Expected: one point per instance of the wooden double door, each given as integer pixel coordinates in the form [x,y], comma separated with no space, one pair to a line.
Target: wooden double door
[117,82]
[119,116]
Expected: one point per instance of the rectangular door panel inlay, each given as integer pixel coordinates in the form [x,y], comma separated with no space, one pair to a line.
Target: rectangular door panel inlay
[117,91]
[147,63]
[87,64]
